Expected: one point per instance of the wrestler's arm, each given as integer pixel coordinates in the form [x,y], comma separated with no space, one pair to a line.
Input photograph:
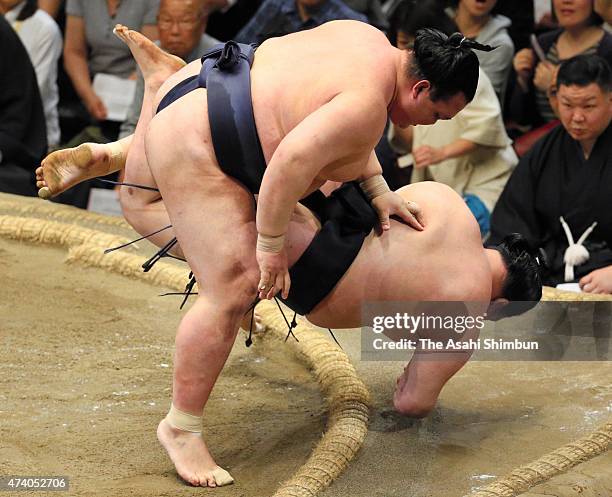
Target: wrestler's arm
[336,132]
[385,202]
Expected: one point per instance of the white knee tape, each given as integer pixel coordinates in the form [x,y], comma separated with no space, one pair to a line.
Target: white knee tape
[184,421]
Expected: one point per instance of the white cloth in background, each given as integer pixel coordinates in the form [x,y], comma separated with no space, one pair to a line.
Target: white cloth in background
[42,39]
[540,8]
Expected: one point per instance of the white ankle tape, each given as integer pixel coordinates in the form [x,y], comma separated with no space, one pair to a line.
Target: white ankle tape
[184,421]
[117,160]
[374,187]
[267,243]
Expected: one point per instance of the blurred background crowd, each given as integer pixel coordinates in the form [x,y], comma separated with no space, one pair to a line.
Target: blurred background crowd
[531,153]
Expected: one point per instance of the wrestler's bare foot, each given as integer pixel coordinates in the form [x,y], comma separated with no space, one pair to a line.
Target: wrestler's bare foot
[63,169]
[155,64]
[191,458]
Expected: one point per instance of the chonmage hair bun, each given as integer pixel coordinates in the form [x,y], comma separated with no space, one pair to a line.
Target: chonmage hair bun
[457,40]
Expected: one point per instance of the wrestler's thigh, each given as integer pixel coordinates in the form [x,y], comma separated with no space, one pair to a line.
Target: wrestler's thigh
[213,215]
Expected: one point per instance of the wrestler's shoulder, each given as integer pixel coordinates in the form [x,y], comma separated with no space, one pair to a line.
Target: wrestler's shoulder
[362,36]
[353,26]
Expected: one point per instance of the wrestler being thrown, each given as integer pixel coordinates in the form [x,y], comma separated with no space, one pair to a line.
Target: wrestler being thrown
[319,102]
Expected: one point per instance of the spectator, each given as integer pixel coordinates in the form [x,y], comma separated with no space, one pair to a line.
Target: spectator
[580,32]
[23,137]
[476,20]
[89,30]
[568,175]
[408,16]
[43,41]
[182,26]
[281,17]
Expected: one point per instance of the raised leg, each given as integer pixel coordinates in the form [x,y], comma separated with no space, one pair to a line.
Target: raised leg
[144,209]
[66,168]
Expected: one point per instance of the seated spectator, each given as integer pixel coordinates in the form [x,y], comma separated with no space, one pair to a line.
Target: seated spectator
[23,137]
[476,20]
[559,195]
[51,7]
[91,48]
[182,26]
[580,32]
[42,39]
[282,17]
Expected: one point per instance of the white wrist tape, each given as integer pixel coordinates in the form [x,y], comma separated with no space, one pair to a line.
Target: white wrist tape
[117,159]
[267,243]
[374,187]
[184,421]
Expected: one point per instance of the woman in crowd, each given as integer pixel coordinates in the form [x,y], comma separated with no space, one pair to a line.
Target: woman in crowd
[580,32]
[91,48]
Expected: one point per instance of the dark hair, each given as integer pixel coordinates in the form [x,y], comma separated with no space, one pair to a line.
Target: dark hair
[447,62]
[29,9]
[524,266]
[582,70]
[412,15]
[594,20]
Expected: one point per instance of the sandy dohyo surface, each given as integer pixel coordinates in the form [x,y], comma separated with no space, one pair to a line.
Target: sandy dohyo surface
[85,376]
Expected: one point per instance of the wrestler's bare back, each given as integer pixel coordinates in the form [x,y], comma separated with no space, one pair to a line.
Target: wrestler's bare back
[293,77]
[445,262]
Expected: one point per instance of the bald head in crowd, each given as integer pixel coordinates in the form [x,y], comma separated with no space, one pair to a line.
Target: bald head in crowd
[182,23]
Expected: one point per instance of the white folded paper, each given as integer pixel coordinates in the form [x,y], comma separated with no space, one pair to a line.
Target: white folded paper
[569,287]
[116,93]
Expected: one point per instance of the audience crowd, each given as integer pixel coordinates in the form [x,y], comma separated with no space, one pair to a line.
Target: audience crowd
[532,153]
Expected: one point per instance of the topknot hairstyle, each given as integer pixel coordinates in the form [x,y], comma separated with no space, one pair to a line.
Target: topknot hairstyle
[447,62]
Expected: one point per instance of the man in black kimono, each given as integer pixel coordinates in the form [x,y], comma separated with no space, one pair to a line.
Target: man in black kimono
[23,135]
[560,195]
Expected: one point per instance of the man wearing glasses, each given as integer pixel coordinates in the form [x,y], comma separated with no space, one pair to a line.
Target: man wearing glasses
[182,26]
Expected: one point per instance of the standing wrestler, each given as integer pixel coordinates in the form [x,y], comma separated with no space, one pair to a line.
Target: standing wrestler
[316,120]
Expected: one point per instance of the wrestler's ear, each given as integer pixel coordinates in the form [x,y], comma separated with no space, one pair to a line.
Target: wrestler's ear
[420,87]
